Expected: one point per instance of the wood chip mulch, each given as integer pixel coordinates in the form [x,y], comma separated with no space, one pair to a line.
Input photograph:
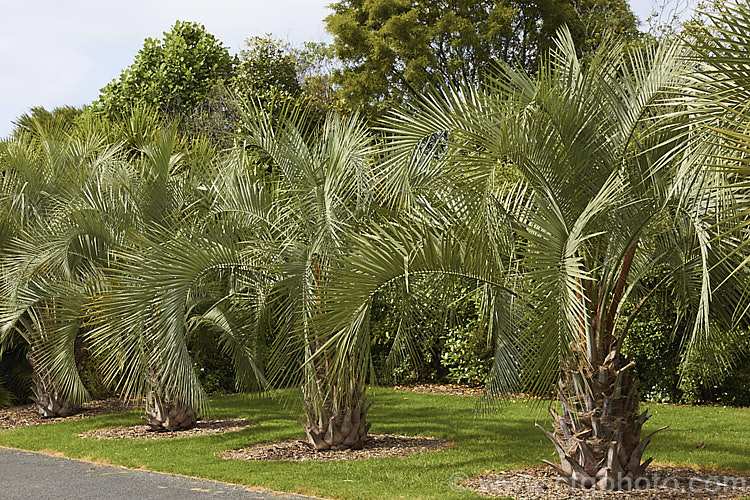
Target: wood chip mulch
[662,482]
[25,415]
[376,446]
[202,428]
[443,389]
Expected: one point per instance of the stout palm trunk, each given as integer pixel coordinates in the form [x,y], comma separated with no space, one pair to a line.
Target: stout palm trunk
[48,400]
[167,414]
[334,427]
[336,416]
[597,434]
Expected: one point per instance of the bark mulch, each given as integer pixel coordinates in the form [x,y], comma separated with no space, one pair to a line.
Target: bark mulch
[376,446]
[202,428]
[25,415]
[662,482]
[443,389]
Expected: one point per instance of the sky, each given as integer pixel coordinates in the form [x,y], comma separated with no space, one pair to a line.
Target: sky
[55,53]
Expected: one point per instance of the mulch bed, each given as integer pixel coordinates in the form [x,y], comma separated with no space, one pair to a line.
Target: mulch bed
[443,389]
[663,482]
[376,446]
[202,428]
[25,415]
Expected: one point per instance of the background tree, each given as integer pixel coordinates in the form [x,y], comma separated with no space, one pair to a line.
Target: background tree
[316,63]
[272,71]
[267,67]
[38,119]
[668,17]
[172,74]
[391,47]
[160,192]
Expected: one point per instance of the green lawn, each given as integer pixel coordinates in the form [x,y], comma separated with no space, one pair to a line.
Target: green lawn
[500,441]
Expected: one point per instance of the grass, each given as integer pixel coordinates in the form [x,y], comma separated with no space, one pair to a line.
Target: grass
[499,441]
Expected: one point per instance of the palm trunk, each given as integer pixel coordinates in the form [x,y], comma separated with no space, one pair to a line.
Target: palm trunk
[331,424]
[598,433]
[48,401]
[331,428]
[165,414]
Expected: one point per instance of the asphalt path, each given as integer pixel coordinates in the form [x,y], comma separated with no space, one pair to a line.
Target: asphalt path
[27,475]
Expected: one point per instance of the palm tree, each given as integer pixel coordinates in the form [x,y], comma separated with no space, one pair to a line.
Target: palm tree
[323,198]
[47,255]
[295,222]
[157,199]
[719,97]
[285,201]
[566,193]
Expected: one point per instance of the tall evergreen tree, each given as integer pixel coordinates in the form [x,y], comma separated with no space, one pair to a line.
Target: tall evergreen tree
[390,48]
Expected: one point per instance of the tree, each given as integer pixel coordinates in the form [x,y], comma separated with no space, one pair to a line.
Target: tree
[394,48]
[47,261]
[275,237]
[265,70]
[266,67]
[39,119]
[668,18]
[720,93]
[315,67]
[172,75]
[609,192]
[159,196]
[273,72]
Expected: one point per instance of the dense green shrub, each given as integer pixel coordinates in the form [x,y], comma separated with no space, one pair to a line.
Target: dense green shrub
[417,361]
[465,356]
[730,387]
[466,352]
[6,397]
[451,345]
[15,374]
[655,345]
[214,367]
[453,348]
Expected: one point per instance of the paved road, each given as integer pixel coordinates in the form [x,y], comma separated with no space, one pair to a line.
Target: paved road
[25,475]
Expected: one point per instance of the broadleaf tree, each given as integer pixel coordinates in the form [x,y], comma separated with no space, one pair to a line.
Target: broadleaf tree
[171,74]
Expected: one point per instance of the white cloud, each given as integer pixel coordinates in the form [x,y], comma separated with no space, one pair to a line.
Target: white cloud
[664,10]
[54,53]
[47,73]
